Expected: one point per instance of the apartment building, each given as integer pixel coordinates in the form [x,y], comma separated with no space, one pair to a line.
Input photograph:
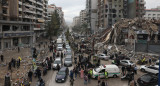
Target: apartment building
[111,11]
[51,9]
[21,22]
[153,13]
[83,17]
[91,8]
[76,21]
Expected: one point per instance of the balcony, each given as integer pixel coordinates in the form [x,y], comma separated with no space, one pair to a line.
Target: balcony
[32,1]
[39,13]
[39,3]
[20,9]
[41,9]
[20,2]
[28,5]
[30,11]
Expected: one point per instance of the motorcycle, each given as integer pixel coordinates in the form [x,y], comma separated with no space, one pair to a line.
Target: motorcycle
[126,77]
[40,82]
[44,71]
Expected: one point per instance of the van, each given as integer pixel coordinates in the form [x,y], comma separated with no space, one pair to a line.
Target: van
[113,71]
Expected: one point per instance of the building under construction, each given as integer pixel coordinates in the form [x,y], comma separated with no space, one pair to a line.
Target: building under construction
[21,21]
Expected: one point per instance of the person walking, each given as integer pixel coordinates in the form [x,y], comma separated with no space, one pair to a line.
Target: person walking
[103,83]
[75,72]
[99,80]
[30,73]
[10,66]
[38,73]
[58,67]
[7,80]
[18,49]
[85,80]
[135,69]
[150,61]
[2,58]
[106,74]
[89,78]
[106,84]
[82,73]
[71,74]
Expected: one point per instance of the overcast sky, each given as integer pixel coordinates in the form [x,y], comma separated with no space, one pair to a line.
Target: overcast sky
[71,8]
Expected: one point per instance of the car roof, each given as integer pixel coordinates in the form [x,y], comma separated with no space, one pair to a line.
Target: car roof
[152,75]
[58,58]
[125,60]
[63,68]
[68,56]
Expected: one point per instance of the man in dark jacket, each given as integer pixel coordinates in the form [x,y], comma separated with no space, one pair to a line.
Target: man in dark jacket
[30,73]
[103,83]
[2,58]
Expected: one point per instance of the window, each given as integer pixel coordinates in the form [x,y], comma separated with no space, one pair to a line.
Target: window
[119,15]
[102,71]
[119,5]
[5,28]
[115,5]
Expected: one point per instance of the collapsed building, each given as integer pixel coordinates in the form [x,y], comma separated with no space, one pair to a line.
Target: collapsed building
[139,35]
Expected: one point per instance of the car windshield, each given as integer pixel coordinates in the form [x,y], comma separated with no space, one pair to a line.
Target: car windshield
[69,53]
[61,73]
[146,78]
[67,59]
[57,62]
[130,61]
[59,45]
[97,69]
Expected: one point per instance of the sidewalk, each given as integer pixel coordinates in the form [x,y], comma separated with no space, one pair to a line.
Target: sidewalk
[26,63]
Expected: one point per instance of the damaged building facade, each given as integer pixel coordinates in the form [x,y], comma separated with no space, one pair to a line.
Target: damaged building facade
[139,35]
[20,20]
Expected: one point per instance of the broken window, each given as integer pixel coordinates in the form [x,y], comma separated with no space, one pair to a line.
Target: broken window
[5,27]
[114,15]
[14,28]
[114,10]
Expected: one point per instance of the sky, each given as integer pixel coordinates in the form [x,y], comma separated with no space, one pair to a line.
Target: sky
[71,8]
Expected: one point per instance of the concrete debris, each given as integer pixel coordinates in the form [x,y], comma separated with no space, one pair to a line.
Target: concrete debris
[131,27]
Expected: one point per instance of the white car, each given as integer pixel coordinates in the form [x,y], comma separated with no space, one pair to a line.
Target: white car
[151,69]
[157,63]
[59,48]
[57,61]
[103,56]
[127,63]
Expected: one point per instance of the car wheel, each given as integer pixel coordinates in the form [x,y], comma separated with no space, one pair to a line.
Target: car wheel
[114,76]
[143,70]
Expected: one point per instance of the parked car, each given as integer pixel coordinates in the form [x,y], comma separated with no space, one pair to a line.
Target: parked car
[127,63]
[150,69]
[62,74]
[57,61]
[157,62]
[68,61]
[59,47]
[148,80]
[103,56]
[113,71]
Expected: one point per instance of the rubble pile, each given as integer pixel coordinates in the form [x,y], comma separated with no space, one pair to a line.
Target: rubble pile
[131,26]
